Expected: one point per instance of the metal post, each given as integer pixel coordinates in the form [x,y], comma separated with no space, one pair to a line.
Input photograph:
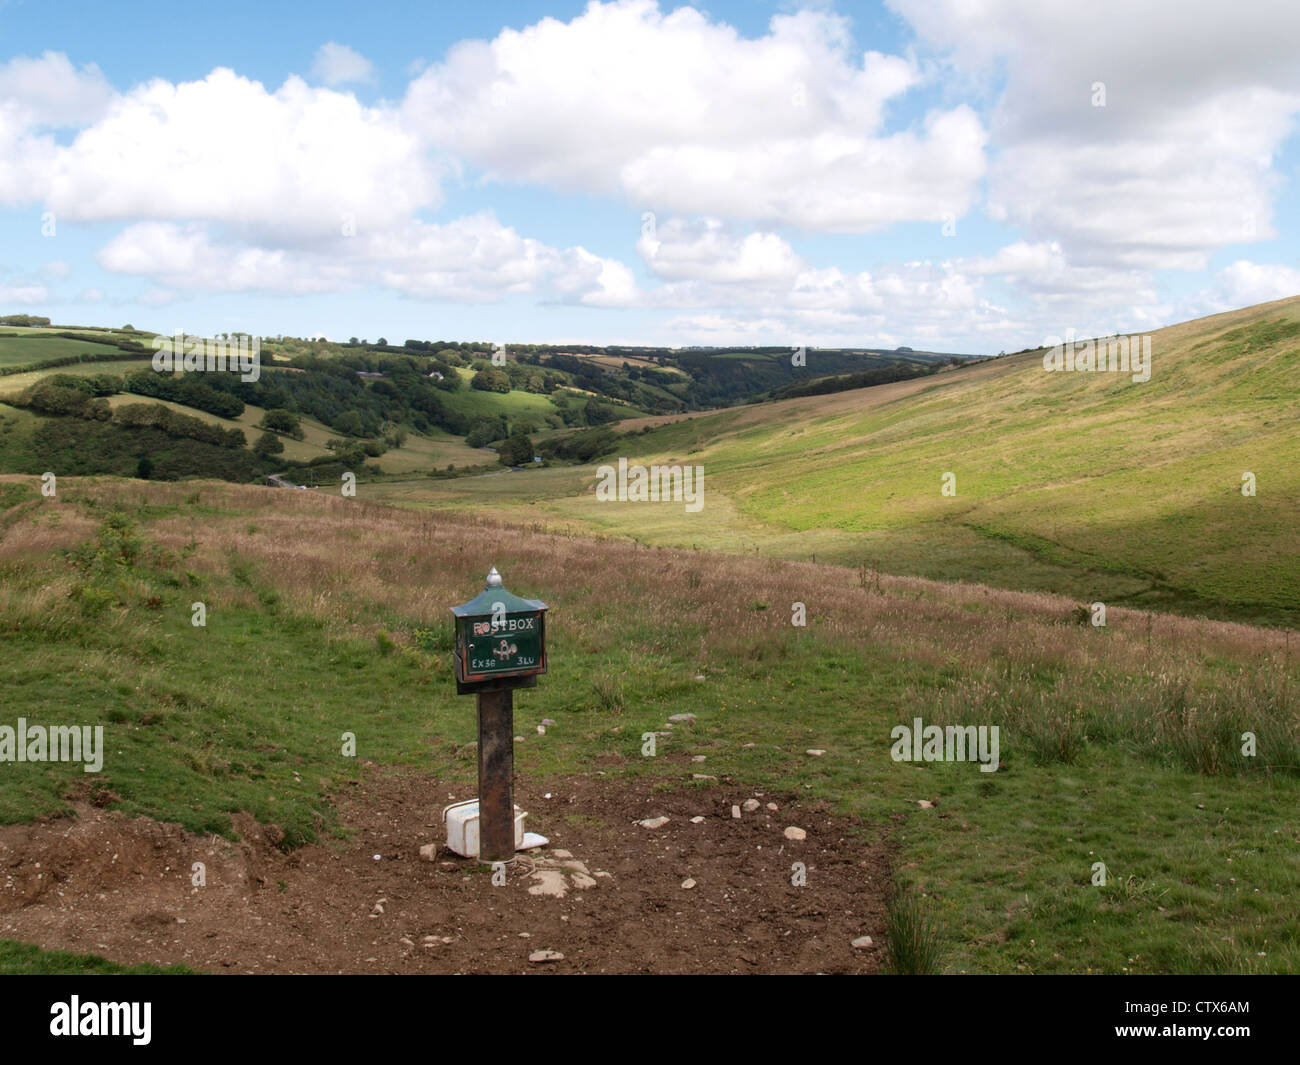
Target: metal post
[496,770]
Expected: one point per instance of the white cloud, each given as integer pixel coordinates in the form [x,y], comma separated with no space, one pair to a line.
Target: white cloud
[473,259]
[1041,272]
[337,64]
[288,165]
[1242,284]
[1179,160]
[1010,299]
[23,294]
[184,257]
[733,142]
[974,297]
[726,329]
[50,91]
[36,96]
[681,114]
[596,281]
[705,250]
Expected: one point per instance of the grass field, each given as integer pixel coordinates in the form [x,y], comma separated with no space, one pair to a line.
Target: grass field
[1089,485]
[514,404]
[18,351]
[15,383]
[1119,744]
[470,401]
[614,362]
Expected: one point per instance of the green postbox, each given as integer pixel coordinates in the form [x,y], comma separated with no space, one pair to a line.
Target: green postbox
[498,636]
[500,646]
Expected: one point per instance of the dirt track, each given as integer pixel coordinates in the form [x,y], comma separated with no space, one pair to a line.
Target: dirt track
[122,889]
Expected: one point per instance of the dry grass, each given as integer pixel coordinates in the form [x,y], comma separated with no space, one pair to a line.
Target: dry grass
[1166,682]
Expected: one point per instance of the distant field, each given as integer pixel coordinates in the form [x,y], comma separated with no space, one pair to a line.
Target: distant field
[515,404]
[419,453]
[18,350]
[472,402]
[17,382]
[521,495]
[294,450]
[32,330]
[438,449]
[615,361]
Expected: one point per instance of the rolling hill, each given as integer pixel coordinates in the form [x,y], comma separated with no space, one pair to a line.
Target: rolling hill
[1088,484]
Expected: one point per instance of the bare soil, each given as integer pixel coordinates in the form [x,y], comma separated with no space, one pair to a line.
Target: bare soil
[99,883]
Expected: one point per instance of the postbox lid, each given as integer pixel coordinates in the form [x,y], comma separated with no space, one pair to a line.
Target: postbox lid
[494,592]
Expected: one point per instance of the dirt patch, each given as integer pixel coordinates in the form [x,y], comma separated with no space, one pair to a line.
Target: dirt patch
[123,888]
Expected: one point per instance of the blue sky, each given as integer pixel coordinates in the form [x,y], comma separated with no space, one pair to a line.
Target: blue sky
[942,174]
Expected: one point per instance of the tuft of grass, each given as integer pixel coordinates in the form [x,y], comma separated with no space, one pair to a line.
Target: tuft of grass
[913,942]
[609,693]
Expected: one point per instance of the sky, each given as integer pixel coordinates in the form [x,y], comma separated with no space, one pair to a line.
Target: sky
[959,175]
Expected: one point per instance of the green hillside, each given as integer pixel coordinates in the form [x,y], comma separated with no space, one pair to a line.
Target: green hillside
[1083,483]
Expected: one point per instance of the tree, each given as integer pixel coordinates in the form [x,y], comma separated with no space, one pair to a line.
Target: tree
[268,444]
[490,380]
[349,422]
[351,456]
[484,432]
[516,450]
[282,421]
[382,342]
[144,467]
[449,381]
[106,384]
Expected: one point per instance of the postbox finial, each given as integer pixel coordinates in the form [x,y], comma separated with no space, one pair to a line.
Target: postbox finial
[493,578]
